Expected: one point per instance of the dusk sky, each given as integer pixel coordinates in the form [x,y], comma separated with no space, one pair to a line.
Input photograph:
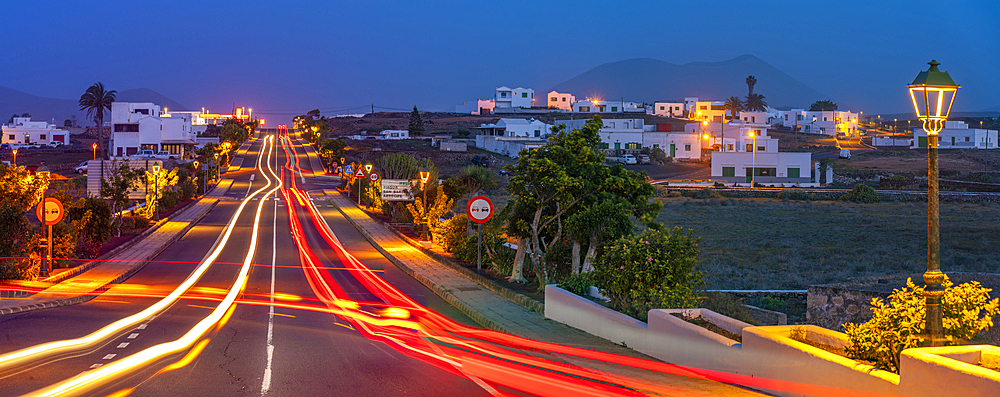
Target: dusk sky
[284,58]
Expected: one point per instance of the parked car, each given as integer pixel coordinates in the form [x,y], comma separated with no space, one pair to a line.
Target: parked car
[82,168]
[644,159]
[163,155]
[55,144]
[5,146]
[143,154]
[481,160]
[845,154]
[627,159]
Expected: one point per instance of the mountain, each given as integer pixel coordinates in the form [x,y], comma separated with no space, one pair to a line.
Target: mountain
[649,80]
[46,109]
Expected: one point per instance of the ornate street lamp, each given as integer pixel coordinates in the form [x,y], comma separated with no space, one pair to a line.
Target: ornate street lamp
[933,93]
[15,157]
[43,172]
[156,190]
[425,174]
[94,146]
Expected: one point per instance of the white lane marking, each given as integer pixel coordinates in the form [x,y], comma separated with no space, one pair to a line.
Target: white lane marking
[133,336]
[266,383]
[142,326]
[98,365]
[123,345]
[109,356]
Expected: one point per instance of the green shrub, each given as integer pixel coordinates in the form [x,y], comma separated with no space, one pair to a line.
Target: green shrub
[169,200]
[796,195]
[451,233]
[861,194]
[706,193]
[769,303]
[579,283]
[966,310]
[655,269]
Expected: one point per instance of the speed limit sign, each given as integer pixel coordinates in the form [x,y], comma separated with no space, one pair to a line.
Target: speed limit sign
[373,176]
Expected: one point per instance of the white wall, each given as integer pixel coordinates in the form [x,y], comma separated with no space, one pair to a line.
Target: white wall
[559,100]
[668,109]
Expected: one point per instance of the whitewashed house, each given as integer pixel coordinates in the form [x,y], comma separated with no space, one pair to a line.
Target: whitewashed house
[506,97]
[601,106]
[624,135]
[23,131]
[557,100]
[508,136]
[828,122]
[753,155]
[479,107]
[143,126]
[957,135]
[667,109]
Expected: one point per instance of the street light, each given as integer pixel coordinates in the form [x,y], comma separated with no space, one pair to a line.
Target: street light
[43,172]
[156,190]
[930,91]
[425,174]
[15,157]
[94,146]
[753,158]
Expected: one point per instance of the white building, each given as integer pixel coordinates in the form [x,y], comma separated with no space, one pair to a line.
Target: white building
[562,101]
[480,107]
[511,127]
[514,97]
[957,135]
[752,154]
[23,131]
[393,135]
[599,106]
[713,111]
[143,126]
[827,122]
[625,135]
[734,136]
[509,146]
[667,109]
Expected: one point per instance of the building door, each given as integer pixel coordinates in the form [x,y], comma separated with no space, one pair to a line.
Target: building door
[952,141]
[673,150]
[749,174]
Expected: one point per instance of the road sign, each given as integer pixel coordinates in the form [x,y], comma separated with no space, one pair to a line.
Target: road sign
[349,169]
[50,212]
[397,190]
[373,176]
[479,209]
[360,173]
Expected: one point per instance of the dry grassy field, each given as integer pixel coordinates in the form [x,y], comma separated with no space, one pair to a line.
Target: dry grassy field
[776,244]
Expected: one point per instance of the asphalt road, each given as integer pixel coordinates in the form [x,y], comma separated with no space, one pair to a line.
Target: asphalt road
[313,353]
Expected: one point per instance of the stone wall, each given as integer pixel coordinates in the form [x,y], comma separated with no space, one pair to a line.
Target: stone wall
[887,195]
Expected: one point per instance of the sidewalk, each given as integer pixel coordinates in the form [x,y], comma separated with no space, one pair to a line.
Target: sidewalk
[120,266]
[493,311]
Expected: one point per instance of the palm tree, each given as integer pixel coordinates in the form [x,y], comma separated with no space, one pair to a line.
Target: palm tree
[95,101]
[751,81]
[755,103]
[734,106]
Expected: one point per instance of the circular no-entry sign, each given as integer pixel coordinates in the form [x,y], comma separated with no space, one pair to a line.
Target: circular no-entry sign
[479,209]
[373,176]
[49,212]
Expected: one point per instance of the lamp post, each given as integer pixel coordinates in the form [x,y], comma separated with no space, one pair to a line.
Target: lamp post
[931,91]
[156,190]
[196,176]
[425,174]
[43,171]
[94,146]
[216,168]
[15,157]
[753,158]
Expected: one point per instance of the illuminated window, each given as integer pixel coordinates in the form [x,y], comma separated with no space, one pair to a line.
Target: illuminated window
[584,108]
[749,147]
[554,99]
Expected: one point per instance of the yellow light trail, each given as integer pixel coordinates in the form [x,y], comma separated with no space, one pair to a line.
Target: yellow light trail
[23,356]
[87,381]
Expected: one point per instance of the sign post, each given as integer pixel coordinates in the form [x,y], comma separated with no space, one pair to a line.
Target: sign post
[359,174]
[49,212]
[479,210]
[374,178]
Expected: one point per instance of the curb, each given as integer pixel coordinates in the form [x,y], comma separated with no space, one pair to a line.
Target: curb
[142,263]
[445,294]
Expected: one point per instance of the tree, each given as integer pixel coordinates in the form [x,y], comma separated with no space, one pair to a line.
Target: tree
[67,123]
[550,181]
[96,100]
[331,150]
[822,105]
[91,217]
[156,185]
[416,125]
[431,215]
[119,181]
[734,106]
[755,103]
[19,191]
[751,81]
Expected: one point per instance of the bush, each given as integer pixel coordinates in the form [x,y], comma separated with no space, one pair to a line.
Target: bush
[579,283]
[966,310]
[861,194]
[130,222]
[707,193]
[796,195]
[169,200]
[655,269]
[451,233]
[727,305]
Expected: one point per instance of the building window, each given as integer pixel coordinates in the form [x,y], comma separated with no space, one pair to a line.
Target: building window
[538,133]
[503,94]
[10,137]
[614,108]
[656,146]
[966,139]
[584,108]
[142,111]
[793,173]
[661,107]
[126,127]
[704,108]
[604,145]
[761,149]
[824,118]
[765,172]
[524,95]
[749,147]
[687,148]
[553,99]
[728,171]
[41,137]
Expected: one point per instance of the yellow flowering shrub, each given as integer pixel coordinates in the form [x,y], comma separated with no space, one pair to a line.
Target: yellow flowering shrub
[966,310]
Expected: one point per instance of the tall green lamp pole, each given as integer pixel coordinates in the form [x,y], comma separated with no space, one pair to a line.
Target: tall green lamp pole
[933,94]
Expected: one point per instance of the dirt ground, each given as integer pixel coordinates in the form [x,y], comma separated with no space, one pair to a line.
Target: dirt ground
[915,161]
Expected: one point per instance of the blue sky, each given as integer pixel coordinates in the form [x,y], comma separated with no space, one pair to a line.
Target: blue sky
[288,57]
